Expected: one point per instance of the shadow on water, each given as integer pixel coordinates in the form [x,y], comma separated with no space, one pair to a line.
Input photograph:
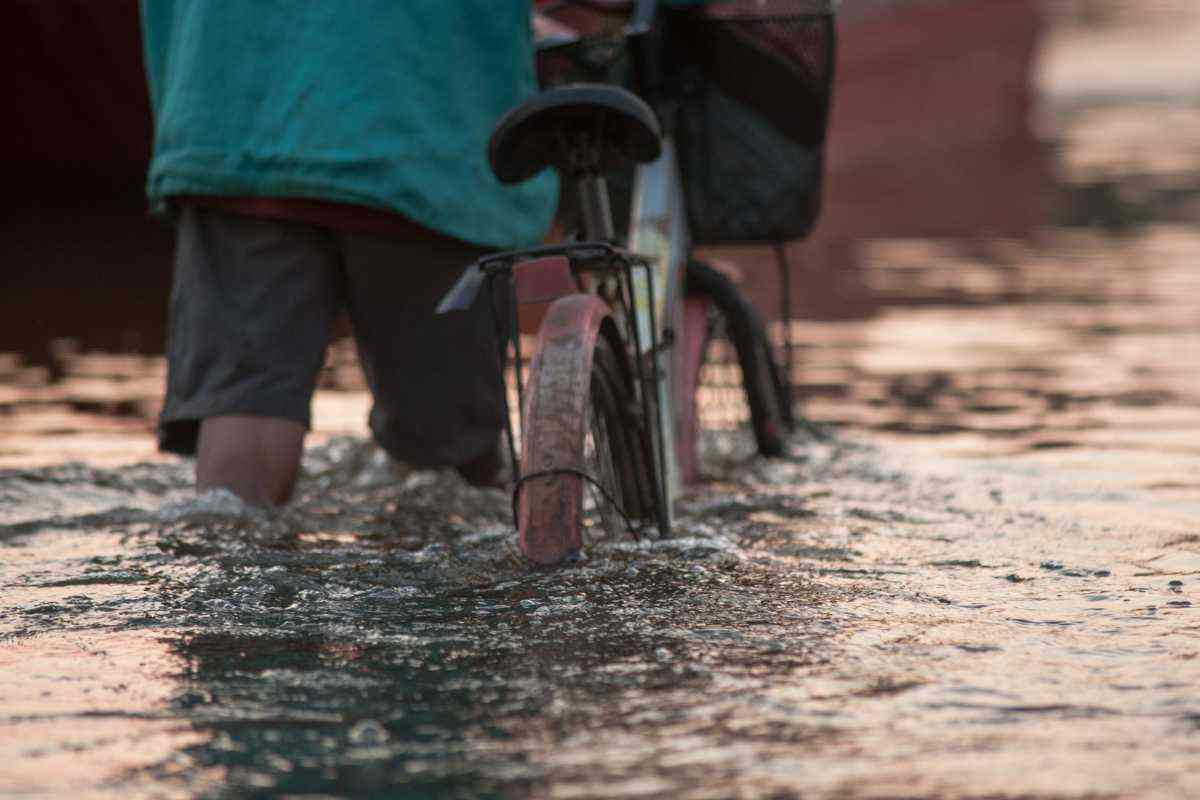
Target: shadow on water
[404,694]
[412,698]
[310,716]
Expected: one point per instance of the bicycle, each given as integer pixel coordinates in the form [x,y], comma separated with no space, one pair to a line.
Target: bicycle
[610,401]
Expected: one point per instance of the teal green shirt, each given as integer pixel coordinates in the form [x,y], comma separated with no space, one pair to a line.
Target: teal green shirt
[383,103]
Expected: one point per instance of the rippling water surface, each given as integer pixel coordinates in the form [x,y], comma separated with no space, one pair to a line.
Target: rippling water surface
[977,581]
[840,623]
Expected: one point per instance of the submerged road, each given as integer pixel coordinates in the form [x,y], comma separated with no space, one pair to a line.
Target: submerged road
[854,622]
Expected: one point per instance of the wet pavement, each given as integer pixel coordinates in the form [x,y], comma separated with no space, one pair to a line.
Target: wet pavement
[979,581]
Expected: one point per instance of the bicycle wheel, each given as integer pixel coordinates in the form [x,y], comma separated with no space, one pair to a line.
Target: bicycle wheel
[579,421]
[714,302]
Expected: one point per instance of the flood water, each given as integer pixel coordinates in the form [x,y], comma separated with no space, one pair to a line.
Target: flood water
[977,575]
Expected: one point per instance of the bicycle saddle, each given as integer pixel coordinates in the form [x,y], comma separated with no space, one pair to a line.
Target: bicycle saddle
[581,128]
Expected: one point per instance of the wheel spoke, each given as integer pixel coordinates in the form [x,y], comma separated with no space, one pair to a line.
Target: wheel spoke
[598,457]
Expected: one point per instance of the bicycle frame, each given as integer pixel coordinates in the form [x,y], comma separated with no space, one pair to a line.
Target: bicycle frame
[658,232]
[647,302]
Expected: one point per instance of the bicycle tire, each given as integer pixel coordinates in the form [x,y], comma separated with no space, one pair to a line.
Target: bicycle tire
[579,418]
[767,396]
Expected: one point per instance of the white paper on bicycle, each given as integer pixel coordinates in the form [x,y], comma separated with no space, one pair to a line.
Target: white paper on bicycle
[658,231]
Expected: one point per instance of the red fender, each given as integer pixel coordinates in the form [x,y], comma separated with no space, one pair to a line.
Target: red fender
[549,509]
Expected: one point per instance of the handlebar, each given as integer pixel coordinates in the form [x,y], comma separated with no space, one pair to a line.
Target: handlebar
[640,14]
[642,19]
[638,32]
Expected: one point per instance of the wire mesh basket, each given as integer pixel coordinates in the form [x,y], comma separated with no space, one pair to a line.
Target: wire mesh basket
[747,84]
[753,80]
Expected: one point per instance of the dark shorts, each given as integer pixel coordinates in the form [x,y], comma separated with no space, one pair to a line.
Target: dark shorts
[252,310]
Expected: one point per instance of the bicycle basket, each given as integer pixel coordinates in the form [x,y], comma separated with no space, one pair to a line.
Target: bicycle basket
[753,80]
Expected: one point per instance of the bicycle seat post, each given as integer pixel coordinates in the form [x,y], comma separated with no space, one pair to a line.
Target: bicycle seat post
[595,209]
[583,147]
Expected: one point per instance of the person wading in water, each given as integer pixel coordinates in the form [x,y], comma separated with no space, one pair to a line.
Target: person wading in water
[320,157]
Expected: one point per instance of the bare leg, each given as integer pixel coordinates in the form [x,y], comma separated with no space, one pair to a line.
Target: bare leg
[256,458]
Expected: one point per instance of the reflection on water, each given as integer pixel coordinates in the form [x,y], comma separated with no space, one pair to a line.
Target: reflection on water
[315,715]
[983,585]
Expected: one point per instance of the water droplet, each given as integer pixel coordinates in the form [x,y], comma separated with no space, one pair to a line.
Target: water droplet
[368,733]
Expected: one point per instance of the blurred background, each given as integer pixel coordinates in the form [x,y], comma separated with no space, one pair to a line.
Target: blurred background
[1006,261]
